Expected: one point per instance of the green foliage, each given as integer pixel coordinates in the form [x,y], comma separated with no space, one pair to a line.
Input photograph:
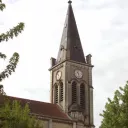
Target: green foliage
[2,55]
[115,114]
[2,90]
[2,6]
[10,67]
[14,32]
[13,115]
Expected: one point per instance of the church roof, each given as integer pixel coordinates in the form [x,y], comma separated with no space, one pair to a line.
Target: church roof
[70,46]
[41,108]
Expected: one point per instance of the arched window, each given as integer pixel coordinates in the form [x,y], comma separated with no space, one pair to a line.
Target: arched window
[74,92]
[61,91]
[56,94]
[82,96]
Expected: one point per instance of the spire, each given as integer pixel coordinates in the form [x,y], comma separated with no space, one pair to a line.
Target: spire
[69,1]
[70,46]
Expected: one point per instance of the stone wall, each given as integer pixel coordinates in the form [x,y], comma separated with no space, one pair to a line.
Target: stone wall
[61,125]
[56,123]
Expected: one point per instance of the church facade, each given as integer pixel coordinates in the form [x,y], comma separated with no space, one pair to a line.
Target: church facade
[71,90]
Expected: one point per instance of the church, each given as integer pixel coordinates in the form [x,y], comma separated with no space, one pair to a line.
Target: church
[71,90]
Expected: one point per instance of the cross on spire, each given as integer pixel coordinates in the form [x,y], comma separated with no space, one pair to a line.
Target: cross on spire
[69,1]
[70,41]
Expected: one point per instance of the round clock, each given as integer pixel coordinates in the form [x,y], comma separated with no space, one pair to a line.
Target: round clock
[58,75]
[78,73]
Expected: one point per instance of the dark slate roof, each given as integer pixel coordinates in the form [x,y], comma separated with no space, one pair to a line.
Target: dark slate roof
[70,46]
[41,108]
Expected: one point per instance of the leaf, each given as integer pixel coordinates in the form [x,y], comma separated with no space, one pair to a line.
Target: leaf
[115,114]
[11,67]
[16,116]
[15,31]
[2,5]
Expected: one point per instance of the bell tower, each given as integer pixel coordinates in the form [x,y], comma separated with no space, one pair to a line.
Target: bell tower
[71,76]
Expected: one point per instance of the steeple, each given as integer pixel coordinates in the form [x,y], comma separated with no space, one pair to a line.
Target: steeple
[70,46]
[71,76]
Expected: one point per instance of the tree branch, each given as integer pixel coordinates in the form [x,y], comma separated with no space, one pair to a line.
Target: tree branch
[10,67]
[2,90]
[2,55]
[2,6]
[15,31]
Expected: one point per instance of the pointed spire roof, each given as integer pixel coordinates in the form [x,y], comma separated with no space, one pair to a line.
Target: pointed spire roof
[70,46]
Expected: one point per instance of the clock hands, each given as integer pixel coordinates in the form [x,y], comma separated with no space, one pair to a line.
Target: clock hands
[58,75]
[78,74]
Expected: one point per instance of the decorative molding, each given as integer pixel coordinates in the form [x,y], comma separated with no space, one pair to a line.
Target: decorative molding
[57,83]
[61,63]
[83,81]
[56,119]
[76,65]
[79,81]
[79,63]
[57,67]
[77,116]
[71,61]
[90,78]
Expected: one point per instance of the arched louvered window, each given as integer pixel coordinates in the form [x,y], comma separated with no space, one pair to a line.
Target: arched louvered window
[61,91]
[74,92]
[82,96]
[56,94]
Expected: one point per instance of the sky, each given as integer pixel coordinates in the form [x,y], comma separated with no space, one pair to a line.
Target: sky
[103,29]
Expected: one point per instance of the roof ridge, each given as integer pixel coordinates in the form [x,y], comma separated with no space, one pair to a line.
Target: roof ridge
[38,107]
[29,100]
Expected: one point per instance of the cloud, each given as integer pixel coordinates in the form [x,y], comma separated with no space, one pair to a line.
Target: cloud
[103,28]
[10,1]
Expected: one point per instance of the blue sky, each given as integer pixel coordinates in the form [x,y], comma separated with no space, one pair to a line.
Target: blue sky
[103,28]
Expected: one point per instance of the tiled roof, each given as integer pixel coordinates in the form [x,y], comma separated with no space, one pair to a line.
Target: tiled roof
[41,108]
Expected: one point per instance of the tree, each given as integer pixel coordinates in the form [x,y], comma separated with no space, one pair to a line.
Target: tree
[2,90]
[14,32]
[115,114]
[13,115]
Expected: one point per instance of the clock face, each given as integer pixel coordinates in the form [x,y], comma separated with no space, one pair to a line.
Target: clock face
[58,75]
[78,74]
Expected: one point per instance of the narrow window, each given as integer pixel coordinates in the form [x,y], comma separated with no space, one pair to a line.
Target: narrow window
[56,94]
[74,92]
[82,96]
[61,91]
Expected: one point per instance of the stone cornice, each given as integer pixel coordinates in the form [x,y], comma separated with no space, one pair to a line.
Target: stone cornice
[85,64]
[45,117]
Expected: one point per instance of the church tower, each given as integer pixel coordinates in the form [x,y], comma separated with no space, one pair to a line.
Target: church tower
[71,76]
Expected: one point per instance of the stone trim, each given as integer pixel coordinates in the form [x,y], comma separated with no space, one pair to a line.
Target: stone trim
[57,65]
[45,117]
[51,86]
[85,64]
[74,125]
[91,107]
[50,123]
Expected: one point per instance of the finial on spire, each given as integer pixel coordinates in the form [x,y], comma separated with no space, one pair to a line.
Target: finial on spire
[71,34]
[69,1]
